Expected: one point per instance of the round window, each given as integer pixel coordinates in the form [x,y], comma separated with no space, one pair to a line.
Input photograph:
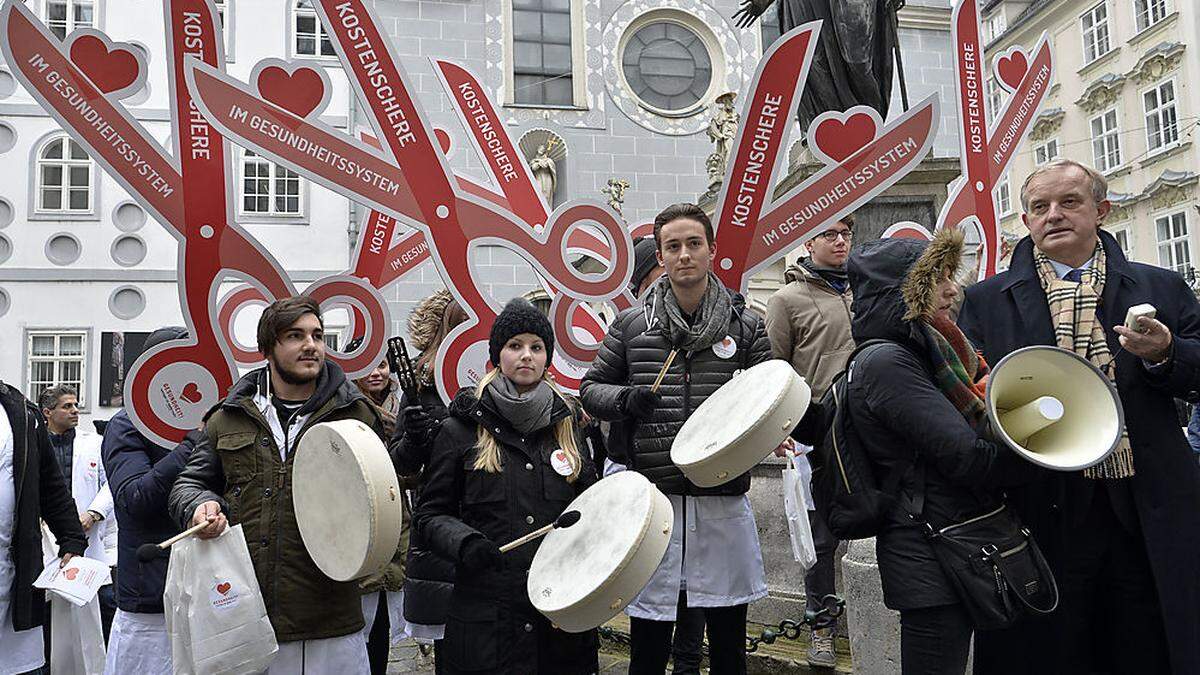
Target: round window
[667,66]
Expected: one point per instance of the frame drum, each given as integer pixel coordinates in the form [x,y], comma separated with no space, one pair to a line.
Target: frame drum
[742,422]
[347,499]
[586,574]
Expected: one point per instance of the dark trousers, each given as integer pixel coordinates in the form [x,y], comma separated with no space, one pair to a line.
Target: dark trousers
[1108,608]
[818,580]
[934,640]
[1108,619]
[379,641]
[688,643]
[650,641]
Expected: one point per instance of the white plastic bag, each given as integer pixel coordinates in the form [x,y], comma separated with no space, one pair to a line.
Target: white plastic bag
[795,490]
[76,638]
[215,612]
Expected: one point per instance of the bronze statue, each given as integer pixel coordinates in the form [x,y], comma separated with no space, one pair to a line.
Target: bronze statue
[852,64]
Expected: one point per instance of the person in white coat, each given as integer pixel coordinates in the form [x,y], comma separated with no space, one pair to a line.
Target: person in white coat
[78,455]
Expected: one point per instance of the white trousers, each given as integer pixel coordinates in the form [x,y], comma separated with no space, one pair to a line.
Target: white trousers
[138,643]
[343,655]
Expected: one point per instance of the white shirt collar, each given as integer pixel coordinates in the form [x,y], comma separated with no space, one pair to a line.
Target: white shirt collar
[1062,270]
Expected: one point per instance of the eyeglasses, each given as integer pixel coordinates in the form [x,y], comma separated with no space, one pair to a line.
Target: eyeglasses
[832,235]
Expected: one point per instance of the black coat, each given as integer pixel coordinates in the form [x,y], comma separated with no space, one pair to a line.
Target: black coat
[632,354]
[1009,311]
[901,418]
[40,493]
[492,627]
[429,577]
[140,475]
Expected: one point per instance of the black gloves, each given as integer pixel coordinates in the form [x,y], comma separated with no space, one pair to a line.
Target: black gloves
[641,401]
[479,553]
[419,425]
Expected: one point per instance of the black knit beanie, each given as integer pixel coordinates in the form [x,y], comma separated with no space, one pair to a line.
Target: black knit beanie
[519,316]
[644,260]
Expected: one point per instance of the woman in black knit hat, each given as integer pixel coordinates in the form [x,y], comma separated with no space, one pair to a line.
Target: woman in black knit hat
[507,461]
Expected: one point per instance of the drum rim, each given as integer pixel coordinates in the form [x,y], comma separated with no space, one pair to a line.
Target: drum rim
[780,395]
[373,554]
[617,569]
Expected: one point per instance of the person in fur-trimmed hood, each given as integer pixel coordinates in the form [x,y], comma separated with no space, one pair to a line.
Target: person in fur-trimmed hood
[916,401]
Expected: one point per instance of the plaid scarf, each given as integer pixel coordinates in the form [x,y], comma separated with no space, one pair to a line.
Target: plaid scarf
[1073,312]
[958,370]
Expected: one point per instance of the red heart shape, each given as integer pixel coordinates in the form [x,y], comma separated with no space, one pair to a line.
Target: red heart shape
[560,456]
[299,92]
[109,70]
[1011,69]
[191,393]
[71,572]
[223,588]
[93,464]
[840,137]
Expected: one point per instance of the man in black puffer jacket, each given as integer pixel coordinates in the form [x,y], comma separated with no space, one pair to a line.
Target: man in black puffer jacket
[714,545]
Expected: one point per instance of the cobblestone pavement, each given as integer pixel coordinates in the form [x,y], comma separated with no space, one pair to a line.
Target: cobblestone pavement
[406,658]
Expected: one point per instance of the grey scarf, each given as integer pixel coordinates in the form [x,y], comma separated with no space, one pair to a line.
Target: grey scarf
[526,412]
[710,324]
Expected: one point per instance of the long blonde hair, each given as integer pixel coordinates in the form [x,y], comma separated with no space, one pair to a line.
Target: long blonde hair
[488,458]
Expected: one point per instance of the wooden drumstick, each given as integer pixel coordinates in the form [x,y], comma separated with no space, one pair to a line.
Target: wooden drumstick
[567,519]
[147,552]
[663,373]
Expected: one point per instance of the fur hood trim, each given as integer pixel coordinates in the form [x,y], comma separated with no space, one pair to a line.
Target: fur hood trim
[941,257]
[426,319]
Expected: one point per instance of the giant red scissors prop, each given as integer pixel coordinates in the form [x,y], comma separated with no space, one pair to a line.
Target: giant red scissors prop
[988,151]
[80,82]
[453,220]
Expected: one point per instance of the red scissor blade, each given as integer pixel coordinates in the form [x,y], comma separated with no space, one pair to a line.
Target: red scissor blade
[111,137]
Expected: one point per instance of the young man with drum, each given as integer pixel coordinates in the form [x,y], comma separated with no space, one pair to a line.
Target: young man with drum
[240,474]
[713,561]
[506,462]
[808,323]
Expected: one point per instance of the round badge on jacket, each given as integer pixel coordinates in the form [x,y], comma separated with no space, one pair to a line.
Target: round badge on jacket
[725,348]
[561,463]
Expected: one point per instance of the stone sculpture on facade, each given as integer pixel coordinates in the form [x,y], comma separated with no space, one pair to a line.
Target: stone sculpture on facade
[722,129]
[615,190]
[544,171]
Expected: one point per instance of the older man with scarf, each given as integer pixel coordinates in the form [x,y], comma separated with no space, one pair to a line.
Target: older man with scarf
[1120,536]
[713,560]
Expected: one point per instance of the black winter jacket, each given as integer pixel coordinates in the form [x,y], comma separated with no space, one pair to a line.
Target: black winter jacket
[40,493]
[902,417]
[492,627]
[141,474]
[429,577]
[1008,312]
[633,353]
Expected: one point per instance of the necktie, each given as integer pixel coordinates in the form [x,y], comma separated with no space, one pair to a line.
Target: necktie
[1075,276]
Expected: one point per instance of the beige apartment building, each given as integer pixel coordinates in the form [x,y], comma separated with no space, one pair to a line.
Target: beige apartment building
[1124,100]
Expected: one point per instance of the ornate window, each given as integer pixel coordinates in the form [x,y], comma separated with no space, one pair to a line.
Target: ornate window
[1174,251]
[1162,120]
[64,16]
[1106,141]
[1149,12]
[995,97]
[64,177]
[1046,152]
[1124,241]
[543,54]
[1003,195]
[269,189]
[994,26]
[56,358]
[667,66]
[1096,42]
[311,38]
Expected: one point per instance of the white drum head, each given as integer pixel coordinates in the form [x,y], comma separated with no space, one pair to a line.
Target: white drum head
[347,499]
[585,574]
[736,410]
